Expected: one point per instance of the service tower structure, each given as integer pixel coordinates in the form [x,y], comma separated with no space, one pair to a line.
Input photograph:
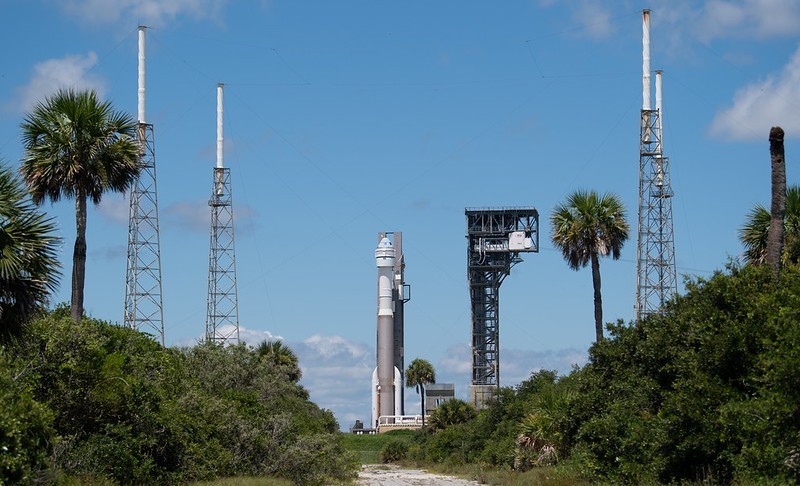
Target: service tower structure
[387,379]
[656,281]
[144,308]
[222,315]
[495,239]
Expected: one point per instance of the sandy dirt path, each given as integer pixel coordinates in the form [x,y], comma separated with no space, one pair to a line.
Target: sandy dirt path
[389,475]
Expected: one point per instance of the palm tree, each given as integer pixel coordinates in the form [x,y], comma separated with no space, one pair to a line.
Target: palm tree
[754,233]
[452,412]
[585,227]
[419,374]
[29,270]
[282,356]
[77,146]
[778,207]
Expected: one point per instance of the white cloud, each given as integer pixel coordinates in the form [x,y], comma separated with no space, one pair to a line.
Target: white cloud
[763,104]
[592,18]
[115,207]
[196,216]
[749,18]
[595,20]
[53,74]
[254,337]
[337,374]
[152,13]
[333,346]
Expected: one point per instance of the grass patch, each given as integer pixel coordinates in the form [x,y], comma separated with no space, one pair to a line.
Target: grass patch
[367,448]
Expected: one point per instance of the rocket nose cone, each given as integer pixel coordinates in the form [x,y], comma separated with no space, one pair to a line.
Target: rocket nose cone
[385,243]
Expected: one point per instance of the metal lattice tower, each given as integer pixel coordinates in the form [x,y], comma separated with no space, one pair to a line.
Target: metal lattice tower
[222,316]
[656,281]
[143,304]
[495,239]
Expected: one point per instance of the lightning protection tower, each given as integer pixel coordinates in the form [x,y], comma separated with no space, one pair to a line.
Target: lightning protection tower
[222,317]
[656,281]
[495,239]
[143,304]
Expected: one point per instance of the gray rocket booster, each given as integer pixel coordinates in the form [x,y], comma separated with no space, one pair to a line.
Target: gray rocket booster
[387,385]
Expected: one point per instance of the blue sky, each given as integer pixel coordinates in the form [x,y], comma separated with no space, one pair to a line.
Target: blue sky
[343,119]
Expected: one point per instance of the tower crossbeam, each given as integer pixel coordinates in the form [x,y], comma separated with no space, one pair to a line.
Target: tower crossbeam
[143,302]
[222,317]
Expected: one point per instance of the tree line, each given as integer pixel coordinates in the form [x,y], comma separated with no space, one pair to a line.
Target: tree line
[704,391]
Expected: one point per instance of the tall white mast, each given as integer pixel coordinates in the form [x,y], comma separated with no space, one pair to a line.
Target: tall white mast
[646,60]
[143,302]
[220,131]
[141,75]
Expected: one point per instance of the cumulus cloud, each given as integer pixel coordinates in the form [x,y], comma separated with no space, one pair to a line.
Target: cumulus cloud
[115,207]
[153,13]
[595,20]
[254,337]
[749,18]
[761,105]
[592,18]
[196,216]
[251,337]
[73,71]
[337,374]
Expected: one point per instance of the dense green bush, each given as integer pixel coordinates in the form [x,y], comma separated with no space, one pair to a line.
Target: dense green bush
[708,391]
[125,409]
[394,451]
[25,429]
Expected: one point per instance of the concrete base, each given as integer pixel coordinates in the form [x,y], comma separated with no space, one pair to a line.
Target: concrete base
[479,395]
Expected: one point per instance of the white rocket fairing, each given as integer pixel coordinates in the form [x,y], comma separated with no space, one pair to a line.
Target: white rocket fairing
[387,383]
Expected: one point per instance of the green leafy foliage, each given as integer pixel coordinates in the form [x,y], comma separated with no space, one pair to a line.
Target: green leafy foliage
[394,451]
[127,410]
[25,429]
[452,412]
[29,268]
[705,392]
[701,392]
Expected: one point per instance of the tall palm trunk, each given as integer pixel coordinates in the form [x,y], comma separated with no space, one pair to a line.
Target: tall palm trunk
[79,258]
[422,403]
[598,298]
[778,208]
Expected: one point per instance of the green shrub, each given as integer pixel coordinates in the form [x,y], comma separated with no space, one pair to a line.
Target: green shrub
[25,430]
[394,451]
[127,410]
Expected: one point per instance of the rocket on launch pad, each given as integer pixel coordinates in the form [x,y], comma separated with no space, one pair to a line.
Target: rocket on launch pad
[387,379]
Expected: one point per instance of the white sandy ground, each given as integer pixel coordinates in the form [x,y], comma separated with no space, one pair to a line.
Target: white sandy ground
[389,475]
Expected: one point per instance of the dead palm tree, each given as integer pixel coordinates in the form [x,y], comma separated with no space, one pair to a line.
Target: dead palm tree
[586,227]
[778,206]
[77,146]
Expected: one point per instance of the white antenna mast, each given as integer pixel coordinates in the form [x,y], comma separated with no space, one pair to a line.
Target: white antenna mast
[143,303]
[646,60]
[141,74]
[220,137]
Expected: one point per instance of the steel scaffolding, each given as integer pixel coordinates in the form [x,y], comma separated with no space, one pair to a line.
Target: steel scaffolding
[496,237]
[222,317]
[143,303]
[656,281]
